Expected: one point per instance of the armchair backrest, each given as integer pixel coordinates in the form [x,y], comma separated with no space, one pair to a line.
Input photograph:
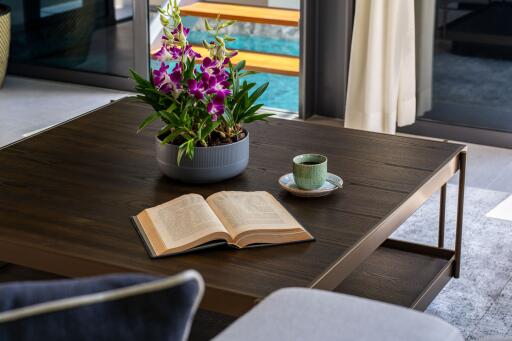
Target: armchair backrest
[112,307]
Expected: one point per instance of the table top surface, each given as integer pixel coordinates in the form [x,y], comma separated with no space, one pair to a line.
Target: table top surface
[69,192]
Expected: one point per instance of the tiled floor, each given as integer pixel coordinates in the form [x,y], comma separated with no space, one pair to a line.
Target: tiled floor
[27,105]
[489,168]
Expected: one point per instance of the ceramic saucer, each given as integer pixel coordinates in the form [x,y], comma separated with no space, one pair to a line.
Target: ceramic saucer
[288,183]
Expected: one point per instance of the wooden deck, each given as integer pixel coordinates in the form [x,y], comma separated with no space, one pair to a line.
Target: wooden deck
[261,62]
[261,15]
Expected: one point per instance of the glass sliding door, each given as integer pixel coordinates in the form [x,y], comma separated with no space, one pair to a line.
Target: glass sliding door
[84,41]
[472,70]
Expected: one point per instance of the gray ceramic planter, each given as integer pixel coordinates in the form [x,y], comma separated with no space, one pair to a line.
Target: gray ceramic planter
[210,164]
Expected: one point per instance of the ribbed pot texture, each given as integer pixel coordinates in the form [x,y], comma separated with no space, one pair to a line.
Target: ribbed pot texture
[5,39]
[209,165]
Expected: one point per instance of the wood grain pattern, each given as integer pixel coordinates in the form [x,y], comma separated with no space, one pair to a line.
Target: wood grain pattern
[261,15]
[66,195]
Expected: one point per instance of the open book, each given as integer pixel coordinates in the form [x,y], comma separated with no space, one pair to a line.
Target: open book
[240,219]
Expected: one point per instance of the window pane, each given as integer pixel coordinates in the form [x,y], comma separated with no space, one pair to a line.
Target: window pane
[473,64]
[85,35]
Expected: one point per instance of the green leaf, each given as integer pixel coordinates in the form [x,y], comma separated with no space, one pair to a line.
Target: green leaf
[244,91]
[246,73]
[240,66]
[190,149]
[164,130]
[252,110]
[150,119]
[259,117]
[170,117]
[258,92]
[171,137]
[189,69]
[181,150]
[228,116]
[139,79]
[172,107]
[187,148]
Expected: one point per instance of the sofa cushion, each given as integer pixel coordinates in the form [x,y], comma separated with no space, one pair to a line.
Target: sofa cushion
[113,307]
[308,314]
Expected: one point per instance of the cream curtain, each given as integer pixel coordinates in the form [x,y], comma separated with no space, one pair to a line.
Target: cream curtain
[425,11]
[381,83]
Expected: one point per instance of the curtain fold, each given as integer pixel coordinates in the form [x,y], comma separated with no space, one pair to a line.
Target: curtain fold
[382,78]
[425,12]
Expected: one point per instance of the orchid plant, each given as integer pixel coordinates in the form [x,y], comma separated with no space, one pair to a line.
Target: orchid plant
[199,105]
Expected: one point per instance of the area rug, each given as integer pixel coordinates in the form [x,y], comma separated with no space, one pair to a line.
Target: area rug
[480,301]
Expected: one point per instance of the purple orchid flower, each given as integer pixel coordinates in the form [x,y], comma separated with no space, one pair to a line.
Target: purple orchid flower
[176,32]
[165,82]
[163,54]
[218,86]
[210,66]
[175,53]
[195,88]
[216,107]
[223,75]
[161,79]
[190,53]
[175,78]
[228,58]
[168,53]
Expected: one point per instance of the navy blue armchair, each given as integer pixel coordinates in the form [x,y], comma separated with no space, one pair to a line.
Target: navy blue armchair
[114,307]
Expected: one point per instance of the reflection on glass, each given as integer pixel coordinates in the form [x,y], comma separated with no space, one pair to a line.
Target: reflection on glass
[85,35]
[473,64]
[265,40]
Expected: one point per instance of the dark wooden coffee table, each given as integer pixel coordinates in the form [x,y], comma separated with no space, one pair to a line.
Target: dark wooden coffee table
[66,195]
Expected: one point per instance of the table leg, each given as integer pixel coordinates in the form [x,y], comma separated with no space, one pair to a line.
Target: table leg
[460,213]
[442,215]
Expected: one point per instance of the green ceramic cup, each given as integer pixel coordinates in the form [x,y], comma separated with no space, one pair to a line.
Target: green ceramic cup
[309,171]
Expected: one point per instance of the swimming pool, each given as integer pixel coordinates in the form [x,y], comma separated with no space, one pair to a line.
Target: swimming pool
[283,91]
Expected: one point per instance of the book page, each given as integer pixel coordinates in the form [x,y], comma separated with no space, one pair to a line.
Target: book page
[184,220]
[244,211]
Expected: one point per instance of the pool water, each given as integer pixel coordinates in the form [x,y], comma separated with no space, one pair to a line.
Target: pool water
[254,37]
[252,43]
[283,91]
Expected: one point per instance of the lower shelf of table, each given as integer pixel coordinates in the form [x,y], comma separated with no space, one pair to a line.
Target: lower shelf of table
[401,273]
